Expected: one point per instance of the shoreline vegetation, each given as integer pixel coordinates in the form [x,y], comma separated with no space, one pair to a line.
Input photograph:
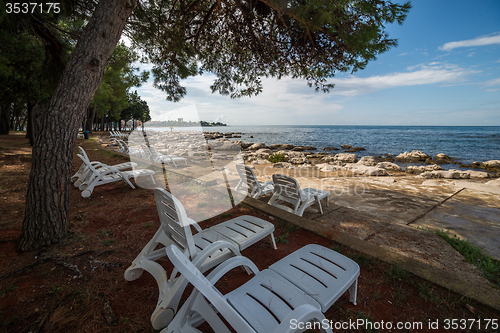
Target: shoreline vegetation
[183,123]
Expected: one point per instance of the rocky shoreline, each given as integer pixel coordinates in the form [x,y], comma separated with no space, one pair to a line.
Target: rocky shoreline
[341,160]
[347,162]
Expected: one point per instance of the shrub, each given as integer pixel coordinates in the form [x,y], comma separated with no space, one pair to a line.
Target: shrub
[276,158]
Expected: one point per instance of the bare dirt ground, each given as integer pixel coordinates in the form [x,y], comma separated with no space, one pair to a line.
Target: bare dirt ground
[78,285]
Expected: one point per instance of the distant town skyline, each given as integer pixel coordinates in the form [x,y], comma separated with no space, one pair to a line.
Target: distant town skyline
[445,71]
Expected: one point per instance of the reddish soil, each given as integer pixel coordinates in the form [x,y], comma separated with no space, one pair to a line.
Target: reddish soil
[65,288]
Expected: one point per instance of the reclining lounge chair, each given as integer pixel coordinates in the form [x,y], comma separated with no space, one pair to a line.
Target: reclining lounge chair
[239,233]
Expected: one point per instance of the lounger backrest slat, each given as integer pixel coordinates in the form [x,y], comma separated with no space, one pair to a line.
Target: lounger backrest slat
[287,187]
[247,174]
[87,162]
[174,221]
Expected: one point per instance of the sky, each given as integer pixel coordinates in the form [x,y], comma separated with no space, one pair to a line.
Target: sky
[445,71]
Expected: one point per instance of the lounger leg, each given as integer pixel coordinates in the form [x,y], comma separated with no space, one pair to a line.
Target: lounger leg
[319,204]
[353,291]
[273,241]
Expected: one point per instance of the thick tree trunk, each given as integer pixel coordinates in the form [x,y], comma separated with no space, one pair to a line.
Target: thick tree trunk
[4,119]
[47,201]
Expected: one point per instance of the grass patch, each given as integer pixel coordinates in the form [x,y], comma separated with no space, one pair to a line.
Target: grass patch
[282,239]
[425,292]
[55,290]
[108,242]
[474,255]
[396,273]
[337,248]
[361,259]
[105,233]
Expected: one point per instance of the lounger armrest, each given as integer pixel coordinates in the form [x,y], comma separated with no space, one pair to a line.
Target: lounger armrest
[195,225]
[110,170]
[209,250]
[230,264]
[204,286]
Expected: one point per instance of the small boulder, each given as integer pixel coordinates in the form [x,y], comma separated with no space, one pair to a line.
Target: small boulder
[242,144]
[327,159]
[414,156]
[478,174]
[257,146]
[389,166]
[443,159]
[367,160]
[449,174]
[346,158]
[298,160]
[493,165]
[423,168]
[263,153]
[330,148]
[355,149]
[281,146]
[302,148]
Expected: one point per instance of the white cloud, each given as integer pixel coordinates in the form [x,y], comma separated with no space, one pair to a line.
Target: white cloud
[493,82]
[419,75]
[492,85]
[479,41]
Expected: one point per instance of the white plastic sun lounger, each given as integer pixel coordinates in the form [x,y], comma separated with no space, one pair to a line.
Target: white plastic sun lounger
[166,159]
[95,177]
[175,228]
[272,300]
[79,177]
[287,189]
[255,188]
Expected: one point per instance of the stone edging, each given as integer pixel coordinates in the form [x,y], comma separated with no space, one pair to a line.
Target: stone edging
[481,294]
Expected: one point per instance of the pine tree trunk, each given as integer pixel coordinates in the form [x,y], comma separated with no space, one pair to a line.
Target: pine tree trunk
[47,201]
[4,119]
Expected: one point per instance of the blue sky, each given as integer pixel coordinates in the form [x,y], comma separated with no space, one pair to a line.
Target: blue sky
[445,71]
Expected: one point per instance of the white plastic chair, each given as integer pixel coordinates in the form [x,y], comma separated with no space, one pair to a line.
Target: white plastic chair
[79,177]
[94,177]
[175,228]
[255,188]
[287,189]
[268,302]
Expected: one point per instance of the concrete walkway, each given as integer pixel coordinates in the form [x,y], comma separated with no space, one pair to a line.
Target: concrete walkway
[467,208]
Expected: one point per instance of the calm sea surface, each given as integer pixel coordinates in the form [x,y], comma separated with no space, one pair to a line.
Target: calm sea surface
[464,143]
